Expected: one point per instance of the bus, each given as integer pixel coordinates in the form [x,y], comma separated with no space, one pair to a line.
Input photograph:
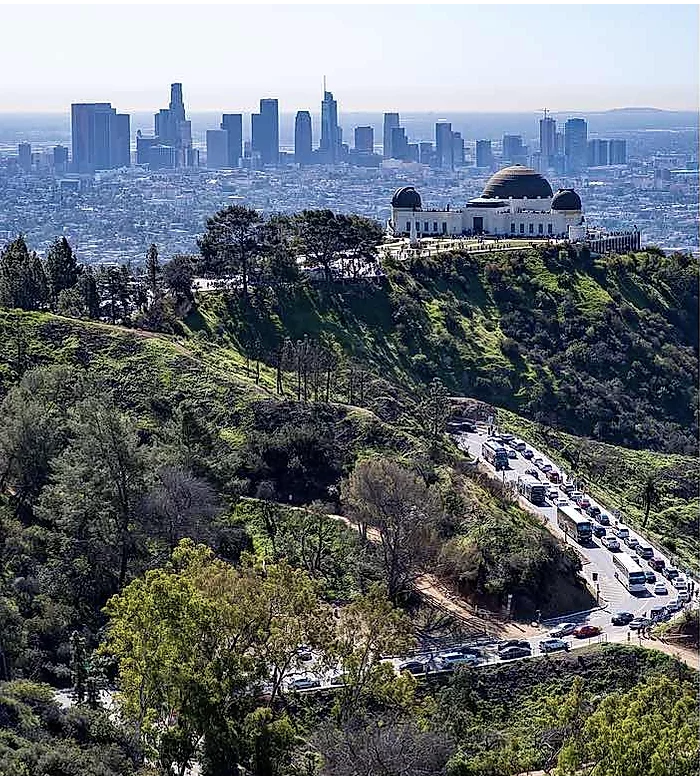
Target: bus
[629,573]
[495,454]
[533,490]
[574,524]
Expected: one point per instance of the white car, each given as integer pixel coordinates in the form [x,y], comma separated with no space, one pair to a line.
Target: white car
[660,588]
[563,629]
[680,583]
[610,543]
[562,502]
[451,659]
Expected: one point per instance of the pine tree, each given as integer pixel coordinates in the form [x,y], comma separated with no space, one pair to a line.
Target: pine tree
[61,268]
[153,272]
[22,278]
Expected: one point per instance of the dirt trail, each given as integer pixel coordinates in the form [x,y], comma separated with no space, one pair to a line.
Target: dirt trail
[432,590]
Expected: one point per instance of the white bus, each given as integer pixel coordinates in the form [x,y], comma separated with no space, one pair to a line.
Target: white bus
[533,490]
[629,573]
[574,524]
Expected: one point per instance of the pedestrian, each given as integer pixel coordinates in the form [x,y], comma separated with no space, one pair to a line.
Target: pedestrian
[628,636]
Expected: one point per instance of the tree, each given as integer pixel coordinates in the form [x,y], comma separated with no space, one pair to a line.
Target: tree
[322,235]
[368,629]
[652,729]
[96,488]
[178,275]
[434,409]
[404,511]
[61,268]
[230,244]
[87,287]
[363,235]
[153,271]
[650,498]
[113,284]
[22,278]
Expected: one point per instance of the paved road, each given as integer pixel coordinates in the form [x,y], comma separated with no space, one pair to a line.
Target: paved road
[596,557]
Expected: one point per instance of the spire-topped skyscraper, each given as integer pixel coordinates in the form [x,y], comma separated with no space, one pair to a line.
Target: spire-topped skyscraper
[330,131]
[173,129]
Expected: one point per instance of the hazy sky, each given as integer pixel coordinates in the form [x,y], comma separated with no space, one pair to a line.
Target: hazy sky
[401,57]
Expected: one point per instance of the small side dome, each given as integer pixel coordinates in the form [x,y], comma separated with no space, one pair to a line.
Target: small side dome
[406,197]
[566,199]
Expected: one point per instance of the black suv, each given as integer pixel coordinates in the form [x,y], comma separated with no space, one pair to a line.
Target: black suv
[521,643]
[622,618]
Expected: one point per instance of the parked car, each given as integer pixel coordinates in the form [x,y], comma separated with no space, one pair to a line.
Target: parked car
[512,453]
[660,588]
[510,653]
[554,476]
[658,564]
[546,467]
[519,445]
[640,622]
[621,531]
[508,643]
[533,473]
[598,530]
[684,595]
[587,631]
[415,667]
[670,573]
[568,488]
[528,454]
[563,629]
[553,494]
[452,659]
[680,583]
[650,577]
[632,542]
[584,502]
[305,683]
[594,511]
[304,653]
[645,551]
[576,496]
[622,618]
[470,651]
[553,645]
[538,462]
[604,519]
[674,606]
[610,543]
[562,502]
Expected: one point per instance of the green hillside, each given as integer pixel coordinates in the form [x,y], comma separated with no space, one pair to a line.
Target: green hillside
[601,347]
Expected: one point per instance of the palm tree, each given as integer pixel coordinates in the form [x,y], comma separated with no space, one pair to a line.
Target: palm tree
[650,497]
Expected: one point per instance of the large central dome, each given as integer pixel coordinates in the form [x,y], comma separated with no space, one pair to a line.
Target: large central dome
[517,182]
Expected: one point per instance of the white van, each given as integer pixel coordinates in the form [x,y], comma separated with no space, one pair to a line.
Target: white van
[622,532]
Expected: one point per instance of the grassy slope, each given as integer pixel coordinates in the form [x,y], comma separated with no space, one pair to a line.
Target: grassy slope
[617,476]
[605,348]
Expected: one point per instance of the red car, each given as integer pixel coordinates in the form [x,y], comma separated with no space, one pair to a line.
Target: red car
[587,631]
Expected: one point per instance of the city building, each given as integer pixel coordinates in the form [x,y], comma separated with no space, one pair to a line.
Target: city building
[548,141]
[233,124]
[391,122]
[575,144]
[24,156]
[426,153]
[444,145]
[172,128]
[265,132]
[598,153]
[516,202]
[60,159]
[457,149]
[484,154]
[617,152]
[399,144]
[303,139]
[217,149]
[331,135]
[100,137]
[513,149]
[364,139]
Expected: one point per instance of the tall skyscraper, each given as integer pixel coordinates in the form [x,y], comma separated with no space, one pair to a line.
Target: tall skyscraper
[513,149]
[265,132]
[364,139]
[173,129]
[24,156]
[302,137]
[457,149]
[217,149]
[330,132]
[484,154]
[575,144]
[617,152]
[426,153]
[399,144]
[100,137]
[233,124]
[444,146]
[391,121]
[548,141]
